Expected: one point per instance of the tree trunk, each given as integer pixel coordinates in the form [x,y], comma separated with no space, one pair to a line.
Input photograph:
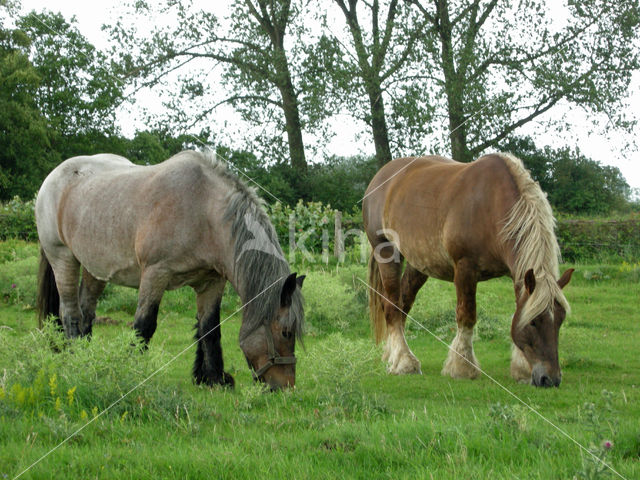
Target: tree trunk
[457,133]
[379,124]
[293,127]
[454,87]
[291,111]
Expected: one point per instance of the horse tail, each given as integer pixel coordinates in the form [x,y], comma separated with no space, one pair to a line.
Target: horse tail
[376,307]
[48,301]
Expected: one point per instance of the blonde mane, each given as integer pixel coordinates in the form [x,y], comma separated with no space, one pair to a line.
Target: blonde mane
[530,225]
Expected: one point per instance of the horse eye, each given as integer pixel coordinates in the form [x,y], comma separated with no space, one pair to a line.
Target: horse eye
[533,323]
[288,334]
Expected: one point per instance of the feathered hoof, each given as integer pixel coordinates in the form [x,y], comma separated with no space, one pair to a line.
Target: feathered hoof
[386,354]
[226,380]
[405,365]
[461,367]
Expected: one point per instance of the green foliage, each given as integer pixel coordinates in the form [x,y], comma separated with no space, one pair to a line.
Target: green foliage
[17,220]
[495,66]
[307,222]
[272,182]
[335,306]
[574,183]
[47,377]
[57,100]
[18,270]
[601,421]
[340,181]
[599,238]
[311,226]
[25,139]
[346,397]
[346,413]
[261,74]
[76,92]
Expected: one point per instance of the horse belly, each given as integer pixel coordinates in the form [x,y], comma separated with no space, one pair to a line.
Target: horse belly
[112,270]
[429,256]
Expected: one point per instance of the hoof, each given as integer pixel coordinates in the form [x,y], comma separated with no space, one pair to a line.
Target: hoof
[405,365]
[461,367]
[386,354]
[225,380]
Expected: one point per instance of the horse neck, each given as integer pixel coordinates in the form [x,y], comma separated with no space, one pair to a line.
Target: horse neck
[256,261]
[544,267]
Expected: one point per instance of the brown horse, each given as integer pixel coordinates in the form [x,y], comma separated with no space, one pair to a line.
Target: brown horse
[186,221]
[465,223]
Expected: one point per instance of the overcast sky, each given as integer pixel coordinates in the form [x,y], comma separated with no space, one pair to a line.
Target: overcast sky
[605,147]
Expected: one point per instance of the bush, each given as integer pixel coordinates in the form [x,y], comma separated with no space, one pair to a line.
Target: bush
[311,224]
[599,239]
[49,376]
[340,181]
[17,220]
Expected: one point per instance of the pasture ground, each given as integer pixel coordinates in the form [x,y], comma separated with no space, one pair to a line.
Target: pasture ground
[347,418]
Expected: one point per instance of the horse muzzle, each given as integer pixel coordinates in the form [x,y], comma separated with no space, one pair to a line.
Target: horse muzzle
[541,377]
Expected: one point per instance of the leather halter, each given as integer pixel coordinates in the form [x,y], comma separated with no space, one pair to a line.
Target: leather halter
[274,358]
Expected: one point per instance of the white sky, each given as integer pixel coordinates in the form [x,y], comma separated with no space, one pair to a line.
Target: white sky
[605,147]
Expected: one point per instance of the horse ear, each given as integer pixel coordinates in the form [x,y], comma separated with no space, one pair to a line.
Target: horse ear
[287,290]
[564,279]
[300,280]
[530,281]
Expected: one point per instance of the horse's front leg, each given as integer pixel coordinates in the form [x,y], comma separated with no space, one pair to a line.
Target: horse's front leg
[153,283]
[209,366]
[461,361]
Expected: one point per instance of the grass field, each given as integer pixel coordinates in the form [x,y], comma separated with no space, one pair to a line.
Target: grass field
[347,418]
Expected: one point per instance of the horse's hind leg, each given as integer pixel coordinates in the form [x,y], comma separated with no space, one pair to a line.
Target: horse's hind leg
[209,366]
[461,361]
[412,281]
[66,270]
[397,353]
[90,289]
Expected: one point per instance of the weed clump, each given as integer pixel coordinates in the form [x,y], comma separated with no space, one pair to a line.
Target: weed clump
[46,375]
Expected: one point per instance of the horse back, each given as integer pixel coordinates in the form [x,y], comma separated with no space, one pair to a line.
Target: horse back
[442,211]
[118,218]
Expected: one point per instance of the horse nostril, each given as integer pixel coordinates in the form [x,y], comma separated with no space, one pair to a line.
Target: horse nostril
[545,381]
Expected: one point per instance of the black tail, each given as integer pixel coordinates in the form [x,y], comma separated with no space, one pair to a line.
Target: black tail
[48,296]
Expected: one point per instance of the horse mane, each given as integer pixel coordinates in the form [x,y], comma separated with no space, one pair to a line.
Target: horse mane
[258,261]
[530,225]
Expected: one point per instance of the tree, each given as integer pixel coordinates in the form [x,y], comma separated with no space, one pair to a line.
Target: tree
[25,153]
[261,65]
[380,47]
[574,183]
[76,93]
[499,65]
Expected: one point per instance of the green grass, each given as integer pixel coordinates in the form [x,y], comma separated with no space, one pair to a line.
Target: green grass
[346,418]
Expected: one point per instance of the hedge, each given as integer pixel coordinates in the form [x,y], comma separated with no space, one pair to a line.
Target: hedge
[17,220]
[599,239]
[579,239]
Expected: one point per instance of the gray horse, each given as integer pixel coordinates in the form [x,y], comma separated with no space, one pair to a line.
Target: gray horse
[186,221]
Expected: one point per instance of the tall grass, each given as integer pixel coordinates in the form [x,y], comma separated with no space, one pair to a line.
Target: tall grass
[347,417]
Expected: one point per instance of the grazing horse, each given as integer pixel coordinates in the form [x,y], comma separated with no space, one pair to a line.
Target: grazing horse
[186,221]
[465,223]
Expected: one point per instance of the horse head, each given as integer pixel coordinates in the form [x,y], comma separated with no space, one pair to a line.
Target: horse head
[270,348]
[535,331]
